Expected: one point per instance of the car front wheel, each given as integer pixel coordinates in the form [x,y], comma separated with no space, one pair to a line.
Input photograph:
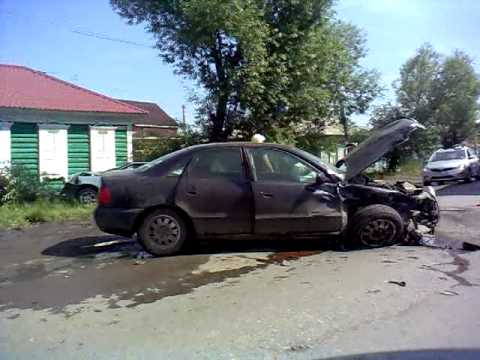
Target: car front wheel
[377,226]
[87,195]
[162,233]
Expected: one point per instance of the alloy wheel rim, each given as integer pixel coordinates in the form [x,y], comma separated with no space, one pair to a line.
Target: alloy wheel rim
[164,231]
[378,233]
[88,197]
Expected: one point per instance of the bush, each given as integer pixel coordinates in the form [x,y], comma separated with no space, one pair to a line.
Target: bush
[148,149]
[19,185]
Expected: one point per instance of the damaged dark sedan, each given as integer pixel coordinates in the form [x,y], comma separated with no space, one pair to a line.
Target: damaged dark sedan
[245,190]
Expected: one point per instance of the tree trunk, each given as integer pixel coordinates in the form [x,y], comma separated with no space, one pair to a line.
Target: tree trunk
[218,120]
[344,122]
[218,132]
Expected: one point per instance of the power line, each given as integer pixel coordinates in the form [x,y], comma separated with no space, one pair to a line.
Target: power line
[87,32]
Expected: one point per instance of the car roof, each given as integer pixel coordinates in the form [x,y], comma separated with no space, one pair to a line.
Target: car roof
[239,144]
[453,149]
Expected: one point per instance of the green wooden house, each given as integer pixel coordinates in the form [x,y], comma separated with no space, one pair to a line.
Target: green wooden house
[55,129]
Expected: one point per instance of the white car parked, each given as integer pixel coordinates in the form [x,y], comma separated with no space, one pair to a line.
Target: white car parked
[83,186]
[458,163]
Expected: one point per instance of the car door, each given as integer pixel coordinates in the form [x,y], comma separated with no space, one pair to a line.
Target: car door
[291,196]
[215,193]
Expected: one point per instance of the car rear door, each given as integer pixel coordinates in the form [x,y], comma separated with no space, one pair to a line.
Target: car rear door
[215,193]
[287,196]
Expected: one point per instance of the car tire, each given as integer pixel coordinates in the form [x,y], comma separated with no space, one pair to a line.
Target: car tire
[468,179]
[87,195]
[163,232]
[376,226]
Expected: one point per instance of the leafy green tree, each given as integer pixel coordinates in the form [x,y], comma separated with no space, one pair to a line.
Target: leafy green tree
[352,86]
[417,99]
[261,64]
[439,92]
[219,44]
[457,90]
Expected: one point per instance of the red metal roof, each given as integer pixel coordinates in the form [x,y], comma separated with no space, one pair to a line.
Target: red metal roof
[22,87]
[155,116]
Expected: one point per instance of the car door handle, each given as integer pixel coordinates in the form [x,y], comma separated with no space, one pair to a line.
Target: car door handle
[266,195]
[192,191]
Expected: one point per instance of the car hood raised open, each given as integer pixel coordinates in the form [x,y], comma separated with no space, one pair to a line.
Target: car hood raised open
[378,144]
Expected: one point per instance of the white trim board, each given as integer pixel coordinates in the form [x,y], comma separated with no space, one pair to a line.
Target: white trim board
[5,144]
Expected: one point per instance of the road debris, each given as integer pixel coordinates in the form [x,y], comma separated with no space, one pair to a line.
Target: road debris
[399,283]
[373,291]
[449,293]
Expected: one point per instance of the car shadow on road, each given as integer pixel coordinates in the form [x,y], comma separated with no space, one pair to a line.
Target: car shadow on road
[91,246]
[470,189]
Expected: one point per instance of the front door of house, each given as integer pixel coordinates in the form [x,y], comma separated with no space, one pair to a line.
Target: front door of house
[102,148]
[53,157]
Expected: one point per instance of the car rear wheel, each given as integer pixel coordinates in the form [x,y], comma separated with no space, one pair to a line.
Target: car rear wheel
[163,232]
[87,195]
[377,226]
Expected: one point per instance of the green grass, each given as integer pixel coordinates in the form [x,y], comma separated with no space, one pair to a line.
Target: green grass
[13,216]
[408,171]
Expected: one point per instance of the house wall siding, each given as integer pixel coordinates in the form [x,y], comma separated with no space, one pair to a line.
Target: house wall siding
[24,146]
[121,146]
[22,141]
[78,149]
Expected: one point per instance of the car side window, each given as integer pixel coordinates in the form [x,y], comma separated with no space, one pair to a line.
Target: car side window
[277,165]
[217,163]
[177,169]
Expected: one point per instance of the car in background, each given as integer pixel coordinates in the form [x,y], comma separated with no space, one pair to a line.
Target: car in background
[250,190]
[83,186]
[458,163]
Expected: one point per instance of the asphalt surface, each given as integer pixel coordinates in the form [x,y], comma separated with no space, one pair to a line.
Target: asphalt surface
[69,291]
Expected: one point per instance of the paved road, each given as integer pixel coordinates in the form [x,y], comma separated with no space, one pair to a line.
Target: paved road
[68,291]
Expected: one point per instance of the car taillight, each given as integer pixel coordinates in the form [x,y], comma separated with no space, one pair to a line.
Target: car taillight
[104,196]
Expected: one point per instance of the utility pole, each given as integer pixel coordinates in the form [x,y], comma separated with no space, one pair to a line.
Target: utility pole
[184,123]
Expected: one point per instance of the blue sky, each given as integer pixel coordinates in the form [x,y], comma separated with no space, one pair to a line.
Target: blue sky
[44,35]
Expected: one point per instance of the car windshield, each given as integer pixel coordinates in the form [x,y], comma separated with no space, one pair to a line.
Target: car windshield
[448,155]
[319,162]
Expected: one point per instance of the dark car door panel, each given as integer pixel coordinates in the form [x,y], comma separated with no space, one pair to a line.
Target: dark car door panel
[296,208]
[215,193]
[288,196]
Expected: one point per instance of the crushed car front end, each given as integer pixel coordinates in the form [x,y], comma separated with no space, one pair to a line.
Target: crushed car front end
[417,206]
